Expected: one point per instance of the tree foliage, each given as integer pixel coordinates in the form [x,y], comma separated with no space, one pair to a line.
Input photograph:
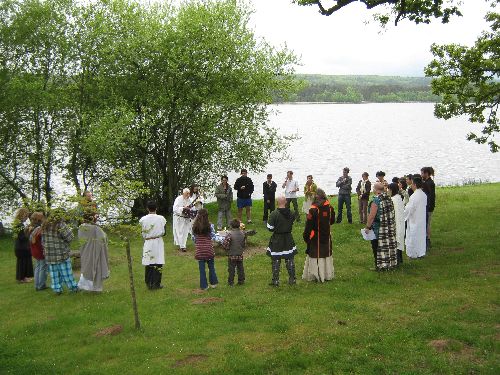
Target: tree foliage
[171,95]
[468,80]
[417,11]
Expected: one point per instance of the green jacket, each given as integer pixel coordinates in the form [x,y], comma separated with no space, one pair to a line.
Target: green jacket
[224,197]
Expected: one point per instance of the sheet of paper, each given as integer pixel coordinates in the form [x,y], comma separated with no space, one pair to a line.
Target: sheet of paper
[368,236]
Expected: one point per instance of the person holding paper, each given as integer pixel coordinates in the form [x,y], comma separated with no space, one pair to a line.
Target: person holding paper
[381,219]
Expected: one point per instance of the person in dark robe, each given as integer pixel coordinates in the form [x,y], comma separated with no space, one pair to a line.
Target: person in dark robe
[281,244]
[319,262]
[24,263]
[269,191]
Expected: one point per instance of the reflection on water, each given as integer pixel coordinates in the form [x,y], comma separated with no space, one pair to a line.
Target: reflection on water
[393,137]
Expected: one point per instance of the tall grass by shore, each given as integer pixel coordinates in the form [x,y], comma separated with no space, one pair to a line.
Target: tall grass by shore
[438,315]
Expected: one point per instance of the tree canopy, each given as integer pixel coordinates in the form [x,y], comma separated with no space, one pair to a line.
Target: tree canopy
[467,78]
[417,11]
[168,95]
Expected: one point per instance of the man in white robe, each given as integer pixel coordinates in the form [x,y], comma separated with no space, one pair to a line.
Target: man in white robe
[415,217]
[153,254]
[181,221]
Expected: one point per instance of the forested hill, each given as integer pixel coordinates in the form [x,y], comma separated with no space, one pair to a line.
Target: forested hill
[358,89]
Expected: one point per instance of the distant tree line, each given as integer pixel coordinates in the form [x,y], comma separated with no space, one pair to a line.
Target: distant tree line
[358,89]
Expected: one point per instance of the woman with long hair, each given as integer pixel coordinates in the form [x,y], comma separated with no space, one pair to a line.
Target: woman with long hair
[24,264]
[202,231]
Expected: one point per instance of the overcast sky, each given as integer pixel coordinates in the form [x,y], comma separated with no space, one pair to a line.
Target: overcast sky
[343,44]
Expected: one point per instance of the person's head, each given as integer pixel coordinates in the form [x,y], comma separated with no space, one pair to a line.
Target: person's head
[194,189]
[393,188]
[243,172]
[37,218]
[380,175]
[151,205]
[201,225]
[310,178]
[88,195]
[186,192]
[409,179]
[395,180]
[281,201]
[417,182]
[54,218]
[427,172]
[402,183]
[269,177]
[289,175]
[224,179]
[320,194]
[22,215]
[365,176]
[345,171]
[378,188]
[235,223]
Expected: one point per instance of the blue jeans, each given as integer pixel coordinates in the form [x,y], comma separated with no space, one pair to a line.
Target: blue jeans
[40,274]
[344,198]
[212,276]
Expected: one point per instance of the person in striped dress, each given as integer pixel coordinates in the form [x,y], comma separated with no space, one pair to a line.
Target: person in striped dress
[205,255]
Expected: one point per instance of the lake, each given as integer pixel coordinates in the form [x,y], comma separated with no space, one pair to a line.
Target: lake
[397,138]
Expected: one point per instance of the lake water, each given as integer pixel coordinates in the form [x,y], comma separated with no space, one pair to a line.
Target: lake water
[393,137]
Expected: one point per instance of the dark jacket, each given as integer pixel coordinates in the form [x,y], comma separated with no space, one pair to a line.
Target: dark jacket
[281,243]
[317,231]
[429,189]
[247,183]
[235,243]
[344,186]
[269,191]
[224,197]
[22,244]
[368,188]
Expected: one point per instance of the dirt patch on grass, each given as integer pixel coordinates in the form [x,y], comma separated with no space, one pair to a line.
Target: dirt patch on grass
[190,360]
[455,349]
[440,345]
[109,331]
[207,300]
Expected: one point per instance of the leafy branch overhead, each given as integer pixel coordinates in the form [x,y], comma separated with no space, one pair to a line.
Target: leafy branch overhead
[418,11]
[467,78]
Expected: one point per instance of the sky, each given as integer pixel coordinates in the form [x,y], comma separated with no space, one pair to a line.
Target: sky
[344,44]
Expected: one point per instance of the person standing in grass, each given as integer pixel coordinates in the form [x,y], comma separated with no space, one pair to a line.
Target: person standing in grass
[56,240]
[399,212]
[244,189]
[415,215]
[269,191]
[363,191]
[224,195]
[204,254]
[381,219]
[344,183]
[153,253]
[429,188]
[93,254]
[310,189]
[181,219]
[24,263]
[317,235]
[291,187]
[281,244]
[234,243]
[35,237]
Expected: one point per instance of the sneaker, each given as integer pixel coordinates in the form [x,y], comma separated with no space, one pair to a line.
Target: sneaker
[204,288]
[213,286]
[249,222]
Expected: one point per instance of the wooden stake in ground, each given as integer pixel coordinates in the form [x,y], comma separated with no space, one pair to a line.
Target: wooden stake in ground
[132,287]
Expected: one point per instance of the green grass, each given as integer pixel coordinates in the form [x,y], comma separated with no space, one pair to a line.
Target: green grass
[362,322]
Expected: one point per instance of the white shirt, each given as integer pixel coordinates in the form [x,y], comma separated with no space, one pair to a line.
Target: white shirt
[290,188]
[153,225]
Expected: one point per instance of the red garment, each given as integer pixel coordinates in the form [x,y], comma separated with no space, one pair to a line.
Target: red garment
[204,247]
[36,244]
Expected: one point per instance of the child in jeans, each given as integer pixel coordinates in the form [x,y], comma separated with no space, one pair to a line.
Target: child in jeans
[202,230]
[234,243]
[36,247]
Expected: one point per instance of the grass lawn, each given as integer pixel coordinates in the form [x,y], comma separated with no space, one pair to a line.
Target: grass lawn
[438,315]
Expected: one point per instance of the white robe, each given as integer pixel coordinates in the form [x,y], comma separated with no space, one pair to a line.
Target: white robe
[415,215]
[399,211]
[153,225]
[181,224]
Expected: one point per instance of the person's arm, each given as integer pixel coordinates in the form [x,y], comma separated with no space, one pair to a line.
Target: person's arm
[227,242]
[371,217]
[65,233]
[348,183]
[358,188]
[332,215]
[250,187]
[308,229]
[271,222]
[219,193]
[265,189]
[178,207]
[339,182]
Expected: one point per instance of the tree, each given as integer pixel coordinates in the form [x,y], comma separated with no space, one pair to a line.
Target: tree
[467,78]
[418,11]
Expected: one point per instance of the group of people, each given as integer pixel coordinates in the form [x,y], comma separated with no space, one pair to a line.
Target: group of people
[398,215]
[47,239]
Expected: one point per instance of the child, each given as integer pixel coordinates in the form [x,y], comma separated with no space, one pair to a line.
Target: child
[36,220]
[202,231]
[234,243]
